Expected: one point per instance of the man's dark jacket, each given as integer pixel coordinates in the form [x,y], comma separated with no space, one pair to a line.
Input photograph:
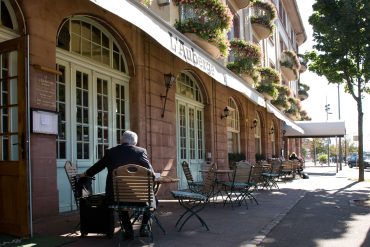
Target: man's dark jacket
[118,156]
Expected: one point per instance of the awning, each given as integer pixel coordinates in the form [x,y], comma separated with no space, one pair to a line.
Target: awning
[317,129]
[179,45]
[285,119]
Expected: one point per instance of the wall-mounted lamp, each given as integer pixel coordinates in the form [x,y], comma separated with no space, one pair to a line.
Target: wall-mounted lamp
[284,132]
[168,81]
[226,113]
[254,124]
[272,131]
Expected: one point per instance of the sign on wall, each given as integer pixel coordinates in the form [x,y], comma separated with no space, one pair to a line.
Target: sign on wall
[44,122]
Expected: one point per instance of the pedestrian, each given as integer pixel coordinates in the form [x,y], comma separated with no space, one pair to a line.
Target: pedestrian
[125,153]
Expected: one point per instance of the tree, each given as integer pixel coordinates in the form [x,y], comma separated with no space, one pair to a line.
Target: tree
[341,30]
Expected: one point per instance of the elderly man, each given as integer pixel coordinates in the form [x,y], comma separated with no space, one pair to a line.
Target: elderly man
[125,153]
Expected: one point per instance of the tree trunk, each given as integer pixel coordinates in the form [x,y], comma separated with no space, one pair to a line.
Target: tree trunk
[360,135]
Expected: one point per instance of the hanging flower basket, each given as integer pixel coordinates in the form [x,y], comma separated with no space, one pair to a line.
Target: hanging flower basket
[209,47]
[288,73]
[248,78]
[208,19]
[261,30]
[241,4]
[263,19]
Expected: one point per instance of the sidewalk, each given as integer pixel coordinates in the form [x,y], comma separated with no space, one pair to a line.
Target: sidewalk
[228,227]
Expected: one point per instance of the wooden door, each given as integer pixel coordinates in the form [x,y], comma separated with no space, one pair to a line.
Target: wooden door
[14,205]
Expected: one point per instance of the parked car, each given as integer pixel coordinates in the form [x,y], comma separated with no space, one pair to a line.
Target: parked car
[353,160]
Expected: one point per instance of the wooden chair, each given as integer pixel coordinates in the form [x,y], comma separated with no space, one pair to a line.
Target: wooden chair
[194,202]
[133,189]
[287,168]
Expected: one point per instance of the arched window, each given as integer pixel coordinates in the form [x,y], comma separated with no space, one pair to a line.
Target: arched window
[189,125]
[92,97]
[86,39]
[233,127]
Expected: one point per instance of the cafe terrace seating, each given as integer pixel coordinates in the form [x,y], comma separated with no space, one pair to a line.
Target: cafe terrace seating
[238,190]
[195,202]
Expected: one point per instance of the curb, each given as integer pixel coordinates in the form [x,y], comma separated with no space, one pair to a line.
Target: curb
[258,239]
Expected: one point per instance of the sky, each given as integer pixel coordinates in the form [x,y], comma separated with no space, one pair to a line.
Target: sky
[322,93]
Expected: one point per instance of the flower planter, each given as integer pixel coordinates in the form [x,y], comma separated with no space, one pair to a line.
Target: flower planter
[288,73]
[291,116]
[204,44]
[262,31]
[303,68]
[302,96]
[280,107]
[241,4]
[246,77]
[267,96]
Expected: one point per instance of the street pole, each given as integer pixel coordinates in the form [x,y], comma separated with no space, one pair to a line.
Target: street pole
[327,109]
[340,138]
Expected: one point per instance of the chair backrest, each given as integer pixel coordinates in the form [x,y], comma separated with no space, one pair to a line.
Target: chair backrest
[208,181]
[71,172]
[242,172]
[287,165]
[276,167]
[256,173]
[186,169]
[133,183]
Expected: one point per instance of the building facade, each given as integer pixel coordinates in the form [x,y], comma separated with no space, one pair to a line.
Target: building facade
[76,74]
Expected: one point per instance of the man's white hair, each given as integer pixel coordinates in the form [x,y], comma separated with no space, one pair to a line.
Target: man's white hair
[129,137]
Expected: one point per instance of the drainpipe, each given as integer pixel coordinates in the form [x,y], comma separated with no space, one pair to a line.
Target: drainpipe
[28,155]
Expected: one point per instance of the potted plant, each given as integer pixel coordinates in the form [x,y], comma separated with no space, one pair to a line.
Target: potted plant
[268,90]
[293,111]
[304,116]
[207,24]
[270,79]
[241,4]
[303,63]
[263,19]
[302,91]
[289,65]
[247,56]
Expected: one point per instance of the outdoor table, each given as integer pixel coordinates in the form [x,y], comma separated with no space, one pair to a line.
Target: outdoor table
[160,179]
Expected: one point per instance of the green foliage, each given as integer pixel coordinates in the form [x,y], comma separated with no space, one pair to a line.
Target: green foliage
[289,59]
[269,75]
[210,20]
[236,156]
[265,14]
[323,158]
[247,57]
[268,88]
[341,31]
[260,157]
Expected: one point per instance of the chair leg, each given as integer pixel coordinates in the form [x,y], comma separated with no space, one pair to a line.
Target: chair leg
[192,208]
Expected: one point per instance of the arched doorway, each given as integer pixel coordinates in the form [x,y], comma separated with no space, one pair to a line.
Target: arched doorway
[92,99]
[190,126]
[14,194]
